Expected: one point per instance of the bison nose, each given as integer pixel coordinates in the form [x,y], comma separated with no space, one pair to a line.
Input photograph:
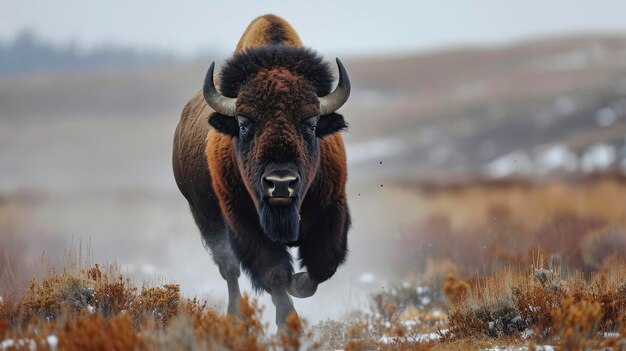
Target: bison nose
[280,183]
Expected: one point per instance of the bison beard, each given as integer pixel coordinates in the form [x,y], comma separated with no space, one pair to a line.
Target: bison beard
[280,223]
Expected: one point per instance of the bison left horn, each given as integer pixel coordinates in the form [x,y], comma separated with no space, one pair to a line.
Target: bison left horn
[333,101]
[218,102]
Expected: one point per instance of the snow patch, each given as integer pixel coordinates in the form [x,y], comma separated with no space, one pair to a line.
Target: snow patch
[516,162]
[606,116]
[545,159]
[522,348]
[19,344]
[556,157]
[411,323]
[365,151]
[367,277]
[53,342]
[422,289]
[415,339]
[611,335]
[598,157]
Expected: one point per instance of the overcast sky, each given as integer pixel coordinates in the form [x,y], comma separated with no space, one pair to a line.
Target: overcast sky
[340,27]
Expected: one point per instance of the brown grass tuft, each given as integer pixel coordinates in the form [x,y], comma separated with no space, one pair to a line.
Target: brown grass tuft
[159,304]
[93,332]
[455,289]
[577,323]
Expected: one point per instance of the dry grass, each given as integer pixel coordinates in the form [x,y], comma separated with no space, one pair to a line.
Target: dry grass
[558,252]
[466,232]
[99,309]
[479,228]
[546,306]
[524,202]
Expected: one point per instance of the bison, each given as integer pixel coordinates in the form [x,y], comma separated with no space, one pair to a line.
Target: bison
[263,166]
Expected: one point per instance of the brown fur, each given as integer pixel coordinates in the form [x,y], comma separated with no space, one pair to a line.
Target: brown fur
[218,155]
[260,31]
[209,176]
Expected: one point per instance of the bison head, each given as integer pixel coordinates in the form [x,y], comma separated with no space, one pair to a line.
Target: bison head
[276,103]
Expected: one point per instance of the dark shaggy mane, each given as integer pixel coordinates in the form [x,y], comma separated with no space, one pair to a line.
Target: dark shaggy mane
[301,61]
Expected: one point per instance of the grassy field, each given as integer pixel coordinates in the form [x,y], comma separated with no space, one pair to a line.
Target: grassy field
[485,264]
[463,262]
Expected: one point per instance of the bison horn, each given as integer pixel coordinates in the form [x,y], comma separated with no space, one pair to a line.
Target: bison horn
[333,101]
[213,98]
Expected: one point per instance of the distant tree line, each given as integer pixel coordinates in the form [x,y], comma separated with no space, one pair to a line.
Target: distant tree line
[28,53]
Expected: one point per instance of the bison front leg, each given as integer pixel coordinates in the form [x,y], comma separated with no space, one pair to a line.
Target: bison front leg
[284,307]
[323,248]
[228,265]
[269,266]
[215,238]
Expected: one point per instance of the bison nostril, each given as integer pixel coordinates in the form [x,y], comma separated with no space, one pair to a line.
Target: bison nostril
[293,183]
[280,183]
[267,184]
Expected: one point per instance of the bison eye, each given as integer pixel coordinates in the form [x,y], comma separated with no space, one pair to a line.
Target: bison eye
[244,125]
[310,124]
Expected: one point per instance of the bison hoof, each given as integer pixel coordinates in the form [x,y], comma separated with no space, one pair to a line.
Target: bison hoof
[302,286]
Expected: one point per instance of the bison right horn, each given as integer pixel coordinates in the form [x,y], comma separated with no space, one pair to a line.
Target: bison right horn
[333,101]
[218,102]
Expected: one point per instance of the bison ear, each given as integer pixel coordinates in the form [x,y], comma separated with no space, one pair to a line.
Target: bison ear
[224,124]
[330,124]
